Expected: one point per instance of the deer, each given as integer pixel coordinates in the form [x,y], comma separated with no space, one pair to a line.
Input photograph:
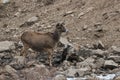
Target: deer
[39,41]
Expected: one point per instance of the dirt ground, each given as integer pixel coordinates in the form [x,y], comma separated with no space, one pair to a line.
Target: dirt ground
[87,20]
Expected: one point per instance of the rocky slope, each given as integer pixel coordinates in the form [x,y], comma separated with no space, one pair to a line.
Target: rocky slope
[90,48]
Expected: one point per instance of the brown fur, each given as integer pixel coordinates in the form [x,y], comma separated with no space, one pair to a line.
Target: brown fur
[42,41]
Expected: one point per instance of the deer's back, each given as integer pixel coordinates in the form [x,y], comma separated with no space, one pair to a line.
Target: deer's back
[38,41]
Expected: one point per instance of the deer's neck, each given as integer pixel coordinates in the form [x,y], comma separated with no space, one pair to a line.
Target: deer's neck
[56,35]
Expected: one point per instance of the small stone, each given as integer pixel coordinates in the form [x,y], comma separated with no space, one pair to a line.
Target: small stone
[99,45]
[32,19]
[17,14]
[89,9]
[38,24]
[6,45]
[66,64]
[67,13]
[85,27]
[81,14]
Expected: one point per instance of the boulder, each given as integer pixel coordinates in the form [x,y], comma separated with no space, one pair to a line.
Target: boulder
[18,62]
[115,50]
[110,64]
[85,52]
[99,53]
[4,1]
[12,71]
[88,63]
[39,72]
[6,46]
[115,58]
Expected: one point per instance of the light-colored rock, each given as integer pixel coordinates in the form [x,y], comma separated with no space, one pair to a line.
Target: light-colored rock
[9,69]
[99,63]
[59,77]
[66,64]
[4,1]
[117,78]
[85,27]
[68,13]
[85,52]
[12,71]
[115,58]
[99,52]
[115,50]
[39,72]
[110,63]
[99,45]
[88,64]
[18,62]
[20,59]
[81,14]
[72,72]
[2,77]
[32,19]
[65,42]
[6,45]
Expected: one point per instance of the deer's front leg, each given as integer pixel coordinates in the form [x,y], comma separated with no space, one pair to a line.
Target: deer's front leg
[50,52]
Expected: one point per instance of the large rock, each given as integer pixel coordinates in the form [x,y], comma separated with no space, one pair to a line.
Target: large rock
[18,62]
[4,1]
[99,53]
[88,63]
[85,52]
[115,50]
[99,63]
[2,77]
[73,72]
[59,77]
[110,64]
[39,72]
[6,46]
[12,71]
[115,58]
[5,58]
[30,21]
[117,78]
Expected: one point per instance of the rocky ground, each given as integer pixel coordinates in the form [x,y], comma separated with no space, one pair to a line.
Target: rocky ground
[89,51]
